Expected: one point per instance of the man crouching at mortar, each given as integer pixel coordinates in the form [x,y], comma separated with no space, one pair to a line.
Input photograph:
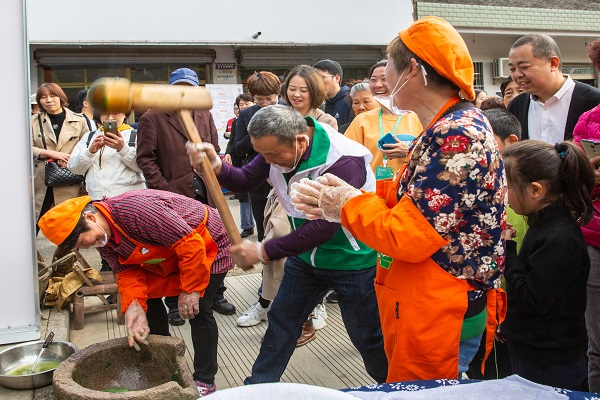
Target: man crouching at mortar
[158,244]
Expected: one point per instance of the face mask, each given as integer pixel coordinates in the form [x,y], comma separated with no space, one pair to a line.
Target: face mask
[286,170]
[394,108]
[103,242]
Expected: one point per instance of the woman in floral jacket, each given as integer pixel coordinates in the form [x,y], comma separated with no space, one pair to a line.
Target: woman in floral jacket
[439,232]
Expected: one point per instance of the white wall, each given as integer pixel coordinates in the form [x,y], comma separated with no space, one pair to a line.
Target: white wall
[19,312]
[233,21]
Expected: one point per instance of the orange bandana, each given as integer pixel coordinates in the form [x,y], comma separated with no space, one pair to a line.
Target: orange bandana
[437,43]
[58,223]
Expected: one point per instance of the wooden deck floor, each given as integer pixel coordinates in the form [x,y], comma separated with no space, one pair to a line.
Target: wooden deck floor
[329,361]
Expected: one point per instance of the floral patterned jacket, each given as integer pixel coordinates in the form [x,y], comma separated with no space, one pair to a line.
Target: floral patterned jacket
[455,177]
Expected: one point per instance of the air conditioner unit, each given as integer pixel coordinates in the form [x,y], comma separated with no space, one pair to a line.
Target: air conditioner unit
[500,68]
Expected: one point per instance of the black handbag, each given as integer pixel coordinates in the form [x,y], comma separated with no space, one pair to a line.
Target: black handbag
[55,174]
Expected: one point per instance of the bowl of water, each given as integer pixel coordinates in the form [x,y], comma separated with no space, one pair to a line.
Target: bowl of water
[16,363]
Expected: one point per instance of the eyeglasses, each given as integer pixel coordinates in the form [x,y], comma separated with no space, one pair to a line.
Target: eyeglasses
[325,76]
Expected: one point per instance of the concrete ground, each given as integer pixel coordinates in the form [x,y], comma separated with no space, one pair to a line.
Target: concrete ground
[329,361]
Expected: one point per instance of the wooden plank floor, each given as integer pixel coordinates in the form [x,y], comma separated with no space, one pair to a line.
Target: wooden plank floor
[328,361]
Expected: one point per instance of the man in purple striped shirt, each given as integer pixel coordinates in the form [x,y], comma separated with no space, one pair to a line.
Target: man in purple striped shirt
[158,244]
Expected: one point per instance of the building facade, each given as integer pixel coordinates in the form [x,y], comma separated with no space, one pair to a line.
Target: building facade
[73,43]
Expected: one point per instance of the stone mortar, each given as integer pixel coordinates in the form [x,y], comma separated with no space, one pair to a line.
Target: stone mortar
[158,371]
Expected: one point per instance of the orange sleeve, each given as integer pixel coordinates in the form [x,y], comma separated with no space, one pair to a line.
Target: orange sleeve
[401,232]
[194,265]
[132,285]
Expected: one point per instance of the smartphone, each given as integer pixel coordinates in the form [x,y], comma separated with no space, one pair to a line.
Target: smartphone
[388,138]
[591,147]
[110,125]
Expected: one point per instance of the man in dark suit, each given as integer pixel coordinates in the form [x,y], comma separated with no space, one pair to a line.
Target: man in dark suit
[162,156]
[552,103]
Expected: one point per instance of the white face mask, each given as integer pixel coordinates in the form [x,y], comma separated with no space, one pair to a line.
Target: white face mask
[103,242]
[394,108]
[286,170]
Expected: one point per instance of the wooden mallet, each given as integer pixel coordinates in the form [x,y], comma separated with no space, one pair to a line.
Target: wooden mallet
[120,95]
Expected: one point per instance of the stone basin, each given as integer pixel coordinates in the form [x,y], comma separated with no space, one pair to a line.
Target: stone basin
[158,371]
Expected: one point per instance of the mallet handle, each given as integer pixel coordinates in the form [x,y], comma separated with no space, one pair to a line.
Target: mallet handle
[164,97]
[211,181]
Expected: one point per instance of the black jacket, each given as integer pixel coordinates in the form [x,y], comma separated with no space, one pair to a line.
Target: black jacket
[242,146]
[585,97]
[340,107]
[546,288]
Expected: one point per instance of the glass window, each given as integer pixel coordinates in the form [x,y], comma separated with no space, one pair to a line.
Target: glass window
[149,73]
[64,74]
[100,71]
[478,83]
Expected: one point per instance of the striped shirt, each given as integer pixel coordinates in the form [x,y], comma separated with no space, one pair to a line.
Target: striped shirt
[160,218]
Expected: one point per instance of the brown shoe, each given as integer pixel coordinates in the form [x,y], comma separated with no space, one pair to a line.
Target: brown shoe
[308,333]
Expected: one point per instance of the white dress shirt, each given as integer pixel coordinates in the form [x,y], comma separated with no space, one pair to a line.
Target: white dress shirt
[547,120]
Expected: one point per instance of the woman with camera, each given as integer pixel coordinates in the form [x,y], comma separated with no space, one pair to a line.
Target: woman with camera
[107,158]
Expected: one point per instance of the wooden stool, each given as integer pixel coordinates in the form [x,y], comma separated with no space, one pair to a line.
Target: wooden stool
[101,290]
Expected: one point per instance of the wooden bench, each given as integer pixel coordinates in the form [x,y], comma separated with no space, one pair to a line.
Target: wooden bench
[102,290]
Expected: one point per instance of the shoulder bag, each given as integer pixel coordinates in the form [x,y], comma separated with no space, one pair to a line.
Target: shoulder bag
[55,174]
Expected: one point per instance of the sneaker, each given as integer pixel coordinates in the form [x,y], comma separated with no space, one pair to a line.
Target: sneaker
[253,316]
[319,317]
[332,297]
[204,388]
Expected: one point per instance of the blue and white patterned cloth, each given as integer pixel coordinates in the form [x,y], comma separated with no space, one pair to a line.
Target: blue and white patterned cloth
[513,387]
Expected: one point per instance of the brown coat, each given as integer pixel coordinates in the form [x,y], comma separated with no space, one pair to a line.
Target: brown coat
[161,152]
[72,130]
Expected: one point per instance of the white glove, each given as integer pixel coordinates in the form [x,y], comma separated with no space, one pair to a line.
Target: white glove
[188,304]
[198,152]
[137,324]
[322,198]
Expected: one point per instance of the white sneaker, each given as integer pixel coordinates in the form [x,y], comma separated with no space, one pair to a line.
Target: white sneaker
[319,317]
[253,316]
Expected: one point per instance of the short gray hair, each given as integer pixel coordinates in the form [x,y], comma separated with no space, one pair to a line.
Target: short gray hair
[280,121]
[360,87]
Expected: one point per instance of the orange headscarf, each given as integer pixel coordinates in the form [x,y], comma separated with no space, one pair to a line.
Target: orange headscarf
[58,223]
[436,42]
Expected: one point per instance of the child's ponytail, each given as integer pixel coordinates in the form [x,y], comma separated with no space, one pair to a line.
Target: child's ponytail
[576,179]
[564,167]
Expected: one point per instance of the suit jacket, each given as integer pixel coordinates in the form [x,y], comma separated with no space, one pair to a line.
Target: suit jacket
[585,97]
[161,152]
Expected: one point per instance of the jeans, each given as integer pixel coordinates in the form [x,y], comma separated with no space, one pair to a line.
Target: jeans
[205,334]
[302,288]
[246,218]
[466,351]
[592,319]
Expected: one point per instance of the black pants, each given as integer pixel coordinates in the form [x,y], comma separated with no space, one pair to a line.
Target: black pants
[46,206]
[205,334]
[497,365]
[258,198]
[570,375]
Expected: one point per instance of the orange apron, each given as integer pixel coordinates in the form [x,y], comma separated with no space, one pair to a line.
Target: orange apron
[161,272]
[421,306]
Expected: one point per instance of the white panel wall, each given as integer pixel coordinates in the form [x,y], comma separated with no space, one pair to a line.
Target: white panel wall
[19,313]
[231,21]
